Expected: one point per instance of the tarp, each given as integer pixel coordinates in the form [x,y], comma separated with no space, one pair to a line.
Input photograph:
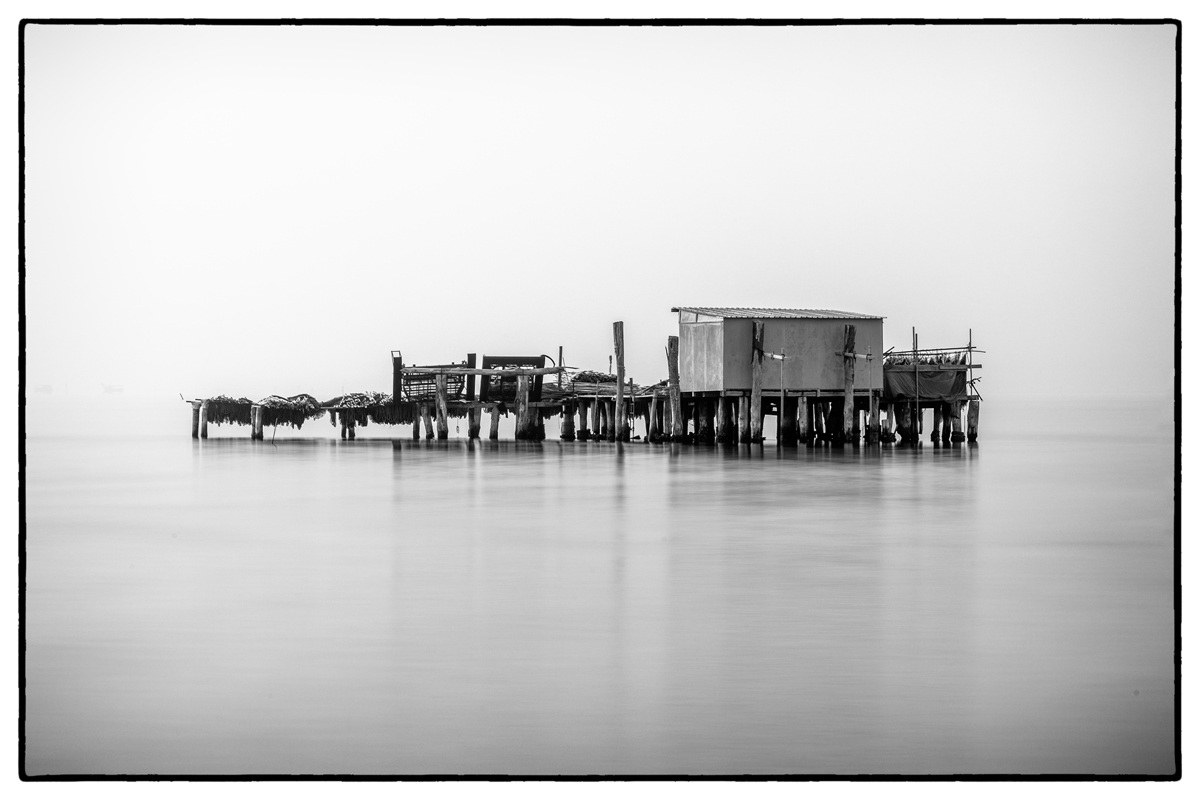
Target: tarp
[899,384]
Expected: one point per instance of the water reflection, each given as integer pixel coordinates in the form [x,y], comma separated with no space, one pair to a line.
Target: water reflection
[411,606]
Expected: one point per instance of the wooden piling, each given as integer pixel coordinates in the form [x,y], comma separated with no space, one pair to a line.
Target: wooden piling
[494,428]
[653,426]
[947,412]
[856,427]
[673,388]
[597,410]
[443,422]
[195,420]
[802,433]
[885,431]
[525,431]
[936,435]
[568,422]
[204,419]
[416,427]
[848,385]
[583,433]
[350,425]
[426,418]
[743,419]
[722,432]
[704,419]
[956,422]
[342,420]
[473,422]
[756,384]
[873,418]
[972,420]
[787,421]
[621,428]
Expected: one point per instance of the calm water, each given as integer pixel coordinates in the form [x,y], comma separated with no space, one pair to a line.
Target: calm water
[319,606]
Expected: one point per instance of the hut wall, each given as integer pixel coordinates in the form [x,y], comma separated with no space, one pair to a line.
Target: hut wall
[815,341]
[700,354]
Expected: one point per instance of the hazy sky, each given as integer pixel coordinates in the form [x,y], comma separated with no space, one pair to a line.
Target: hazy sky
[257,210]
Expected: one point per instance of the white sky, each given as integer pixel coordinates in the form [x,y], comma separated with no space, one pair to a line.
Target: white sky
[260,210]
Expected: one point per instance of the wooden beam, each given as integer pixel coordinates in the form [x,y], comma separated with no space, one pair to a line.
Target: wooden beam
[515,372]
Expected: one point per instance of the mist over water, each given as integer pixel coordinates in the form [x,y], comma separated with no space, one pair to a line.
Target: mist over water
[319,606]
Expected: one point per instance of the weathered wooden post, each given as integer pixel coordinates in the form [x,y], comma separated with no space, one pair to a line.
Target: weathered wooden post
[972,420]
[620,430]
[350,424]
[885,432]
[195,419]
[443,426]
[568,420]
[416,426]
[947,410]
[524,422]
[204,419]
[426,418]
[597,408]
[583,433]
[473,413]
[756,381]
[787,421]
[802,430]
[743,419]
[653,426]
[848,416]
[936,434]
[673,388]
[254,409]
[704,419]
[956,422]
[494,429]
[873,422]
[722,432]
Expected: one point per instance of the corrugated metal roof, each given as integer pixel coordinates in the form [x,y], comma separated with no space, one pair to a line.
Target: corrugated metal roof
[776,313]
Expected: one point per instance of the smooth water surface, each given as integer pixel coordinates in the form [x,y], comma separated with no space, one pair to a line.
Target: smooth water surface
[320,606]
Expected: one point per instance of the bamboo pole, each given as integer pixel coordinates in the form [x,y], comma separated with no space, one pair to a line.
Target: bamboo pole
[673,387]
[756,382]
[494,428]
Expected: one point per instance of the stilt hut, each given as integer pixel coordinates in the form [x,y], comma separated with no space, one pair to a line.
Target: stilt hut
[815,369]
